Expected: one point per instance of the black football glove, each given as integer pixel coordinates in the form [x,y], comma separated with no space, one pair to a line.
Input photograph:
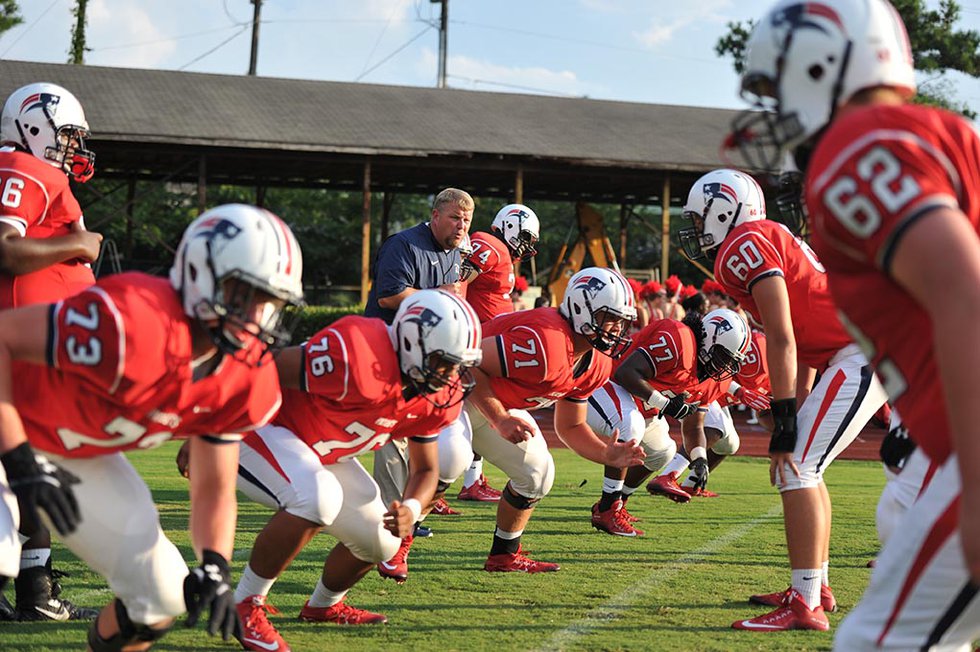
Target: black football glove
[699,473]
[40,484]
[209,587]
[783,438]
[678,408]
[896,447]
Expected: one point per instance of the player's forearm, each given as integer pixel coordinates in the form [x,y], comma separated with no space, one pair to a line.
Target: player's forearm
[581,439]
[781,358]
[423,474]
[692,433]
[214,507]
[392,302]
[25,255]
[483,398]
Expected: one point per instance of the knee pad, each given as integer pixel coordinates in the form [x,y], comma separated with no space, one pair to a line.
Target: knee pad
[129,632]
[373,550]
[516,500]
[455,450]
[318,500]
[657,457]
[727,445]
[537,478]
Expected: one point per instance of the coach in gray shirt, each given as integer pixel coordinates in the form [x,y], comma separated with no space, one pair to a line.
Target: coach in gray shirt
[422,257]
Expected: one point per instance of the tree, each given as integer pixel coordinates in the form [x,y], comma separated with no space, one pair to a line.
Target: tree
[9,16]
[937,47]
[78,49]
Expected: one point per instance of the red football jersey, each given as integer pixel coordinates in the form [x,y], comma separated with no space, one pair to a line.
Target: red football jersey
[875,171]
[536,358]
[757,250]
[351,398]
[753,373]
[119,376]
[489,293]
[36,200]
[671,350]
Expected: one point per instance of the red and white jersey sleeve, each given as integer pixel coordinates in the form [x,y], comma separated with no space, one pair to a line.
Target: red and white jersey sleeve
[120,376]
[875,172]
[34,195]
[757,250]
[670,351]
[422,420]
[351,394]
[537,360]
[489,293]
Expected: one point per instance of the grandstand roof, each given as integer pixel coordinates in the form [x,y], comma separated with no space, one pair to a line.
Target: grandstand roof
[288,132]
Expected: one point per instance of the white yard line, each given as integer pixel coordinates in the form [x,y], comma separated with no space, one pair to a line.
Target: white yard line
[617,606]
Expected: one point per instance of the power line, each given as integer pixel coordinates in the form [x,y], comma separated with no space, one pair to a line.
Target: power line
[579,41]
[29,28]
[394,10]
[400,48]
[516,86]
[167,39]
[240,31]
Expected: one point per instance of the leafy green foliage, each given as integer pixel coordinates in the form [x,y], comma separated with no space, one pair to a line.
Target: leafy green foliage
[9,15]
[679,587]
[314,318]
[937,47]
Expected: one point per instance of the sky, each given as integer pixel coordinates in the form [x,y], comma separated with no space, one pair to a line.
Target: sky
[652,51]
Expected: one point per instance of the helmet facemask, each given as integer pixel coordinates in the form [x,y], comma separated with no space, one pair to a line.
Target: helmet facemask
[790,201]
[607,332]
[718,363]
[522,246]
[696,243]
[439,370]
[241,328]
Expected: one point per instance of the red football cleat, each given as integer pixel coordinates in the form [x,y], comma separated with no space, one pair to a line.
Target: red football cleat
[629,517]
[827,599]
[396,568]
[342,614]
[794,614]
[517,563]
[666,486]
[442,508]
[614,521]
[479,491]
[257,632]
[702,493]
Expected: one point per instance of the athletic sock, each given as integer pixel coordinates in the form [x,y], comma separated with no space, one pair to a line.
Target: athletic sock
[34,557]
[506,543]
[252,584]
[806,581]
[825,573]
[473,473]
[323,597]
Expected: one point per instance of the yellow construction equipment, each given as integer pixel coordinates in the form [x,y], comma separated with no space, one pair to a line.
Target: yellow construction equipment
[592,238]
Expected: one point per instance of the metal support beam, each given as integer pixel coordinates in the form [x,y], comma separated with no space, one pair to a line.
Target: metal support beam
[519,185]
[202,184]
[260,196]
[624,218]
[665,232]
[130,202]
[388,198]
[366,232]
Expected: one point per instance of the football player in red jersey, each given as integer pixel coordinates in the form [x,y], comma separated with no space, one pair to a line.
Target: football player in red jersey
[137,360]
[538,358]
[489,276]
[349,389]
[43,250]
[893,193]
[777,279]
[749,386]
[673,368]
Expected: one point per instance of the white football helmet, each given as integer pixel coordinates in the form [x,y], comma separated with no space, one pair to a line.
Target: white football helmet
[519,227]
[725,342]
[249,245]
[48,121]
[598,303]
[437,336]
[806,59]
[717,203]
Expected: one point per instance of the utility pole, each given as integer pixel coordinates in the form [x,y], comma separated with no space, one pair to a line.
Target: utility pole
[254,59]
[78,34]
[443,39]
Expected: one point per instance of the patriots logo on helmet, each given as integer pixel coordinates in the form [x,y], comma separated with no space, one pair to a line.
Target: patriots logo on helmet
[47,102]
[801,15]
[721,325]
[426,318]
[218,231]
[517,212]
[591,285]
[718,190]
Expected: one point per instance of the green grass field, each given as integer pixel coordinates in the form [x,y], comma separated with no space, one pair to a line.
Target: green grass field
[679,587]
